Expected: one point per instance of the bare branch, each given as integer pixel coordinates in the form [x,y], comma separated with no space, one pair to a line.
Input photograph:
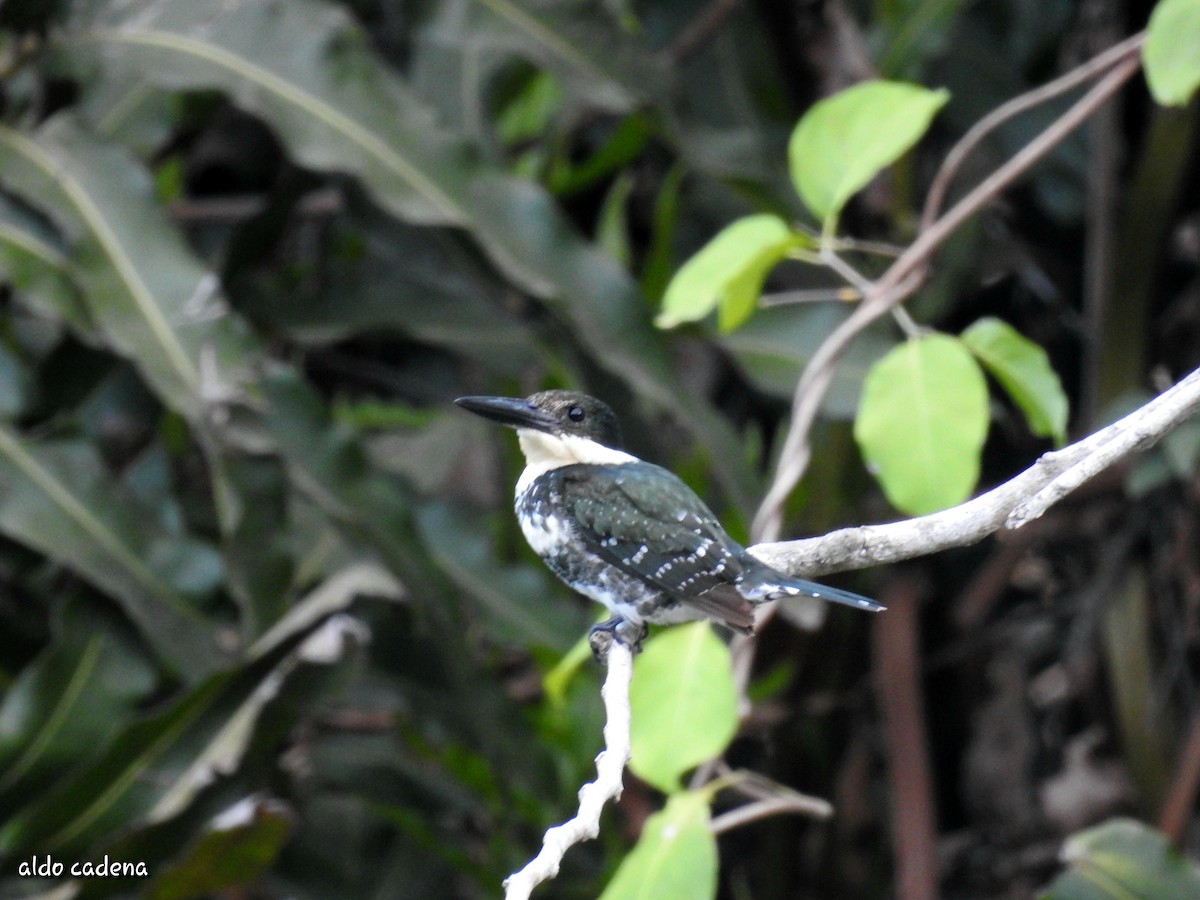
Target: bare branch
[1093,68]
[1010,505]
[610,766]
[770,806]
[1138,431]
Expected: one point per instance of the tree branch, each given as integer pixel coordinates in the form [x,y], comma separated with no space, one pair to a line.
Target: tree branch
[1093,68]
[901,279]
[610,765]
[1011,505]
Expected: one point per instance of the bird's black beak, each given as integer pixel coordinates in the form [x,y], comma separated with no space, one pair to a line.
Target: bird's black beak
[511,411]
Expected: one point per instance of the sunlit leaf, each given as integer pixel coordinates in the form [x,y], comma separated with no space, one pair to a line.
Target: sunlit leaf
[843,142]
[1123,859]
[921,423]
[683,704]
[1172,63]
[1023,370]
[675,858]
[556,682]
[728,272]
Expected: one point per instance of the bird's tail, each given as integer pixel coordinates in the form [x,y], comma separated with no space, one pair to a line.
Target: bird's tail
[764,583]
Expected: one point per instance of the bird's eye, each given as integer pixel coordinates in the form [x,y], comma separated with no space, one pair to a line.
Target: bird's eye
[576,414]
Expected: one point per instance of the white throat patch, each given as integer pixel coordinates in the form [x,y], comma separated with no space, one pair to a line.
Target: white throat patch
[544,452]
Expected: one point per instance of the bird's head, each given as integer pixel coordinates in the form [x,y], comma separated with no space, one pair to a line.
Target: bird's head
[559,414]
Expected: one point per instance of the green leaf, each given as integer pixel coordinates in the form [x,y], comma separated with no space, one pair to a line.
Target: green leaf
[580,43]
[921,423]
[1123,859]
[309,72]
[258,564]
[517,604]
[34,260]
[157,765]
[114,787]
[403,278]
[658,261]
[530,112]
[773,347]
[220,750]
[675,858]
[1023,370]
[67,703]
[556,682]
[231,853]
[333,595]
[612,231]
[728,272]
[150,297]
[56,498]
[683,704]
[843,142]
[1169,54]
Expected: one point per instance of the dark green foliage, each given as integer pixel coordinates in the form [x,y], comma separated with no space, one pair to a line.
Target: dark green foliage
[251,558]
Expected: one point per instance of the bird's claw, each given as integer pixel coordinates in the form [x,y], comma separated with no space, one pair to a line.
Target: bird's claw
[602,636]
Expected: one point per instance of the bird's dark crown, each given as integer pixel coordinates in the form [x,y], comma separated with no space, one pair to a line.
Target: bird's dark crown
[560,413]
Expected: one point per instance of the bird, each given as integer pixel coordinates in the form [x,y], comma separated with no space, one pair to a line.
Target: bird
[628,533]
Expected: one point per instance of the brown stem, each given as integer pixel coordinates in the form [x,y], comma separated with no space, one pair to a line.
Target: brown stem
[897,667]
[1014,107]
[1181,791]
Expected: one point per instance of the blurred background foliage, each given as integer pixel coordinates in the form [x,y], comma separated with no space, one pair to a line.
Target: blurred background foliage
[266,622]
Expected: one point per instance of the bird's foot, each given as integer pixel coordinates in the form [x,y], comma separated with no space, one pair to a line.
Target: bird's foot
[602,636]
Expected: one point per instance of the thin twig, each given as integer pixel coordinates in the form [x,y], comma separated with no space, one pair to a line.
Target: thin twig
[795,297]
[907,323]
[1094,67]
[770,806]
[699,30]
[610,766]
[876,248]
[235,208]
[849,274]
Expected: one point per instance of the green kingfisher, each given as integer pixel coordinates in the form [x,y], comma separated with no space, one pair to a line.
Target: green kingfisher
[628,533]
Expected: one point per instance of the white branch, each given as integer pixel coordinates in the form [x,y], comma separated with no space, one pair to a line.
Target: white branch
[610,765]
[1137,431]
[1011,505]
